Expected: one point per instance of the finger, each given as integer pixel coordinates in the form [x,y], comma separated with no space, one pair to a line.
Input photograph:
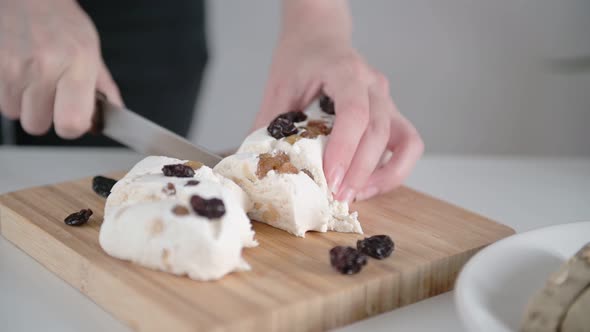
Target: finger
[74,100]
[37,107]
[352,117]
[370,149]
[10,100]
[11,90]
[278,98]
[407,148]
[106,84]
[40,76]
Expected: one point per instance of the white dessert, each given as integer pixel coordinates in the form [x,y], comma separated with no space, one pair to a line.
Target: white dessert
[145,180]
[292,201]
[152,223]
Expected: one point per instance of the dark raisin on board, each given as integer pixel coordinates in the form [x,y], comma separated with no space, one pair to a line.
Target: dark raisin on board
[327,105]
[78,218]
[378,246]
[178,170]
[347,260]
[190,183]
[212,208]
[281,127]
[294,116]
[103,185]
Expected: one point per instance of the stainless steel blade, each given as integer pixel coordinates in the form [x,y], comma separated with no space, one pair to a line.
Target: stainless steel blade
[144,136]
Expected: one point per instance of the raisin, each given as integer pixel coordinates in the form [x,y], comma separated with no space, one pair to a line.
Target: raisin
[268,162]
[327,105]
[180,210]
[281,127]
[316,128]
[378,246]
[178,170]
[210,208]
[78,218]
[294,116]
[191,183]
[282,157]
[103,185]
[319,126]
[347,260]
[170,189]
[287,168]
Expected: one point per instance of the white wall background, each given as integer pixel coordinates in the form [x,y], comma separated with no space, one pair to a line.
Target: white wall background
[502,76]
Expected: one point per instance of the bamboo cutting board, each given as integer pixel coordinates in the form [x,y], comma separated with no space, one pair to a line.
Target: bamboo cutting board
[292,286]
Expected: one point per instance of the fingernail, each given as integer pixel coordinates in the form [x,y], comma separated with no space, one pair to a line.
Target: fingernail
[367,193]
[347,195]
[336,179]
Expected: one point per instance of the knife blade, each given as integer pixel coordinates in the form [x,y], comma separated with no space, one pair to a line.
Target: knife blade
[143,135]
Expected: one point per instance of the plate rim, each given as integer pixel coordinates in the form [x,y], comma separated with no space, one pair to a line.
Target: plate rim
[460,295]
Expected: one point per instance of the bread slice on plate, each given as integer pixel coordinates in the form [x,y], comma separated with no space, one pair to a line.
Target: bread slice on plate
[563,305]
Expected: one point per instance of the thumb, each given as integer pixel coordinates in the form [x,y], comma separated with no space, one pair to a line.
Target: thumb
[278,98]
[106,84]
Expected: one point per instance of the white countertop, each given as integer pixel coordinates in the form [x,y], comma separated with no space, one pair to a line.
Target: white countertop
[524,193]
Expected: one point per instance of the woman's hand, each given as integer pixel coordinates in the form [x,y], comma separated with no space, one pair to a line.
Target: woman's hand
[314,55]
[50,66]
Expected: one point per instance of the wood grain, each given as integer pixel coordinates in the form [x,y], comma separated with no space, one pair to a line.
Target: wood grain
[292,286]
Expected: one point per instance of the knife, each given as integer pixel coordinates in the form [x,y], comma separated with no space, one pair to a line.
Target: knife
[143,135]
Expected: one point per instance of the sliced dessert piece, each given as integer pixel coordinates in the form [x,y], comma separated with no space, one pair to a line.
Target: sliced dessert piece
[185,222]
[284,177]
[283,197]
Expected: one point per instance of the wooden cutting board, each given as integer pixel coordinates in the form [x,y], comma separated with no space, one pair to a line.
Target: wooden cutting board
[292,286]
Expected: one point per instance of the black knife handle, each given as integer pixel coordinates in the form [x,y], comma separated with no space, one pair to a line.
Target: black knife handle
[97,115]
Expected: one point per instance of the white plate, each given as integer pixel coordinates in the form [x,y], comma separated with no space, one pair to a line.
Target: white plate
[495,285]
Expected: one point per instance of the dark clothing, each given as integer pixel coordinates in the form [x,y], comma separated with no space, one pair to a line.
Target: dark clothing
[156,52]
